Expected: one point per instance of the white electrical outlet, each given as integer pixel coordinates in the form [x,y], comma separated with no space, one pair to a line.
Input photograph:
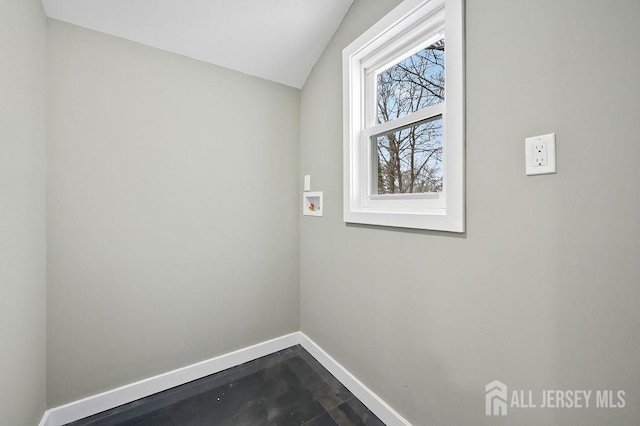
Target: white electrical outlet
[540,154]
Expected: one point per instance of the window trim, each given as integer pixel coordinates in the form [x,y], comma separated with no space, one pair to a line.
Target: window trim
[412,22]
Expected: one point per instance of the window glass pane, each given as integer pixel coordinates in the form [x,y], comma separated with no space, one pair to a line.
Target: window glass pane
[412,84]
[409,160]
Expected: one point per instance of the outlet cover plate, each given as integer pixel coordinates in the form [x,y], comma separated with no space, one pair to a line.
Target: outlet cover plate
[540,154]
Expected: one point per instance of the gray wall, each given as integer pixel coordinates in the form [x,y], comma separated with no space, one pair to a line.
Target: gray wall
[173,212]
[542,291]
[23,75]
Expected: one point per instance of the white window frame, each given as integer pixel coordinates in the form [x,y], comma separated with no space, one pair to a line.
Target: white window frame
[408,28]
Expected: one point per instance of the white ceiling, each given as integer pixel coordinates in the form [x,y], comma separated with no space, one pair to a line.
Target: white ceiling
[278,40]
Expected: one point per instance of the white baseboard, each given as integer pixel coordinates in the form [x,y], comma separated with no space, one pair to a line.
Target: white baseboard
[388,415]
[45,419]
[86,407]
[105,401]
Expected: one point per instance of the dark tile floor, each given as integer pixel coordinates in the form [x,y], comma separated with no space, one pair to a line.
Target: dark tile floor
[286,388]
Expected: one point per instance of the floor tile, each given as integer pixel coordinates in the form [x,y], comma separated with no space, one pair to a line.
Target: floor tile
[286,388]
[354,413]
[323,420]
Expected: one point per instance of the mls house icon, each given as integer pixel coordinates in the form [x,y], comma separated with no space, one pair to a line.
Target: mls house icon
[495,399]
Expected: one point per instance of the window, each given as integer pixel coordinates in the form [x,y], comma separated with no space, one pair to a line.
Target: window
[404,119]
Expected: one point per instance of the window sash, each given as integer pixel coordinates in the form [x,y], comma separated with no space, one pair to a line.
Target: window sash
[368,167]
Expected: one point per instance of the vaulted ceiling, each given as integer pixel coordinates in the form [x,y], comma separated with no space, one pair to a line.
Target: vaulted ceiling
[278,40]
